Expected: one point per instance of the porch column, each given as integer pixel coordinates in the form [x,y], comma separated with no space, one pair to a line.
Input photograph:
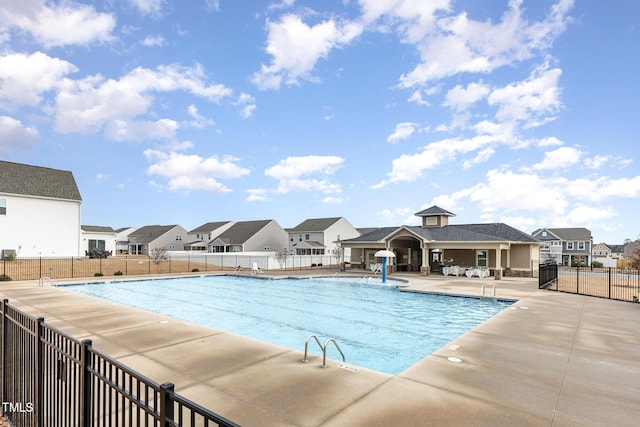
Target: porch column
[425,268]
[497,273]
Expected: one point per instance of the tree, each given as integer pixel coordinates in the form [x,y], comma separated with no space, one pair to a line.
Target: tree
[158,256]
[281,257]
[635,257]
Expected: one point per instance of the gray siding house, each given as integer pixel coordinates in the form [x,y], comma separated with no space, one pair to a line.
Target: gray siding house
[565,246]
[250,236]
[145,240]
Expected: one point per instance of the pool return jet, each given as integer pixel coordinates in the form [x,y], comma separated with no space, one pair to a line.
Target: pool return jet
[384,254]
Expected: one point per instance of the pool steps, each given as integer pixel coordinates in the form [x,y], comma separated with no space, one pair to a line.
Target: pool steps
[323,348]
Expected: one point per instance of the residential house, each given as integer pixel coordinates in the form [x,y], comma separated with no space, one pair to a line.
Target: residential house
[98,237]
[497,247]
[198,238]
[39,212]
[565,246]
[320,236]
[250,236]
[603,254]
[145,240]
[122,239]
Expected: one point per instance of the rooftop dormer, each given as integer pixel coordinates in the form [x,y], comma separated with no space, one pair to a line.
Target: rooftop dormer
[434,217]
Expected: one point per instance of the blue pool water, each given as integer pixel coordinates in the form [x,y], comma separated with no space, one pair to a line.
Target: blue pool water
[376,325]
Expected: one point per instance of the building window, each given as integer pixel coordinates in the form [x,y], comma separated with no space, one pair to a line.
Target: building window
[291,237]
[3,206]
[199,236]
[97,244]
[581,246]
[306,237]
[569,246]
[481,258]
[179,238]
[299,237]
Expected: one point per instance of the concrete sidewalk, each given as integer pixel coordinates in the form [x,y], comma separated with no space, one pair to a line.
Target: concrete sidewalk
[551,359]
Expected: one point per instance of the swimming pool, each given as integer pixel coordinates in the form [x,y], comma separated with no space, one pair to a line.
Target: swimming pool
[376,325]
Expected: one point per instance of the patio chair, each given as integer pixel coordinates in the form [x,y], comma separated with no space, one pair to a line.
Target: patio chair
[255,269]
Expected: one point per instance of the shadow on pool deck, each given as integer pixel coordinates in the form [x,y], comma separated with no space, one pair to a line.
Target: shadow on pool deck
[550,359]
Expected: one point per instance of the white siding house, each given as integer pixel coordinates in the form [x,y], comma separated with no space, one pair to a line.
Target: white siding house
[320,236]
[39,212]
[97,237]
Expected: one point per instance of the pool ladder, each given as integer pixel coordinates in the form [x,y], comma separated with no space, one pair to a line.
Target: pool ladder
[323,348]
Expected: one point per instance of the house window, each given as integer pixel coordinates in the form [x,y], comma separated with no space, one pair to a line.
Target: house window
[199,236]
[3,206]
[178,238]
[300,237]
[96,244]
[266,248]
[481,258]
[432,220]
[555,243]
[291,237]
[581,246]
[306,237]
[570,246]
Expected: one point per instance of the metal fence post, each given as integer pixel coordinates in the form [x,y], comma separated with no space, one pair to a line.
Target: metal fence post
[3,325]
[86,395]
[166,404]
[609,282]
[39,395]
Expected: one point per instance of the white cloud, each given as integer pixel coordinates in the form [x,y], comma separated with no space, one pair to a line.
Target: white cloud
[597,161]
[409,167]
[257,195]
[192,172]
[291,171]
[332,200]
[14,134]
[402,131]
[54,25]
[296,47]
[94,103]
[25,78]
[529,100]
[460,99]
[247,105]
[148,7]
[199,121]
[560,158]
[462,45]
[154,41]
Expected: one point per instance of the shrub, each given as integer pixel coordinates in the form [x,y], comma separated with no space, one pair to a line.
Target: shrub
[118,273]
[319,264]
[195,270]
[4,278]
[597,264]
[313,265]
[98,275]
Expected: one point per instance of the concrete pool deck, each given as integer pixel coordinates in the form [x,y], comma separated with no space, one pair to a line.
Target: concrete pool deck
[551,359]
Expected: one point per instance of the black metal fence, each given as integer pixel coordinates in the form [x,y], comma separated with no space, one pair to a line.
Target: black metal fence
[547,275]
[52,379]
[613,283]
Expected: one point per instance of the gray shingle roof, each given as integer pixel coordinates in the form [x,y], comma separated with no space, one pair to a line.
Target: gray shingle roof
[454,233]
[434,211]
[314,224]
[97,229]
[149,233]
[566,234]
[17,178]
[242,231]
[209,226]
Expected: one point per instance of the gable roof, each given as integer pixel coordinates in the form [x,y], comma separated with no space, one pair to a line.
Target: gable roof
[97,229]
[149,233]
[209,226]
[315,224]
[435,211]
[497,232]
[27,180]
[567,234]
[242,231]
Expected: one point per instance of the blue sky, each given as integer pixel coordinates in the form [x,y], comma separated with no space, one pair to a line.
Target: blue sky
[168,112]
